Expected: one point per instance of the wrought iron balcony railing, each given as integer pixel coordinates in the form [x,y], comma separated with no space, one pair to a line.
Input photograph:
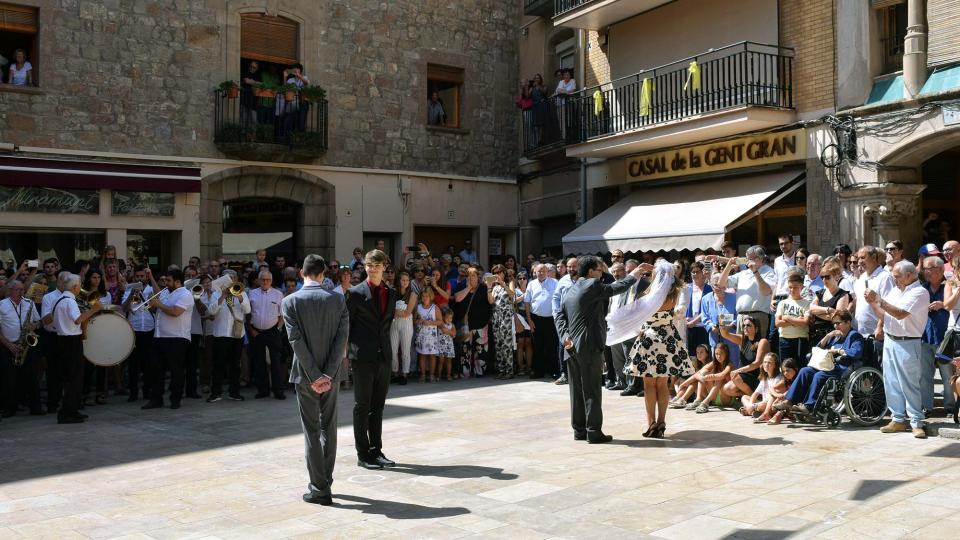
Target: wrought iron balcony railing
[269,125]
[739,75]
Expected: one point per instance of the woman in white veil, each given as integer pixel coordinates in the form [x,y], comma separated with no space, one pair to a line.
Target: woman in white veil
[658,352]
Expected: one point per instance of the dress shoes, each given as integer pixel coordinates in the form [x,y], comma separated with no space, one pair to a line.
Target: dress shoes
[261,395]
[279,395]
[236,397]
[630,391]
[579,436]
[617,387]
[175,405]
[152,404]
[383,460]
[369,464]
[599,438]
[403,380]
[314,498]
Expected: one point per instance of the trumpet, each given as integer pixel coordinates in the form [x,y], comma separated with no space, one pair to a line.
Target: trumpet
[146,303]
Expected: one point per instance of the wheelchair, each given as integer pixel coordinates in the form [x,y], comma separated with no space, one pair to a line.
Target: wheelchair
[858,394]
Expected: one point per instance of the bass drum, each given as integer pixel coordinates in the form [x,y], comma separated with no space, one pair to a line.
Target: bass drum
[109,339]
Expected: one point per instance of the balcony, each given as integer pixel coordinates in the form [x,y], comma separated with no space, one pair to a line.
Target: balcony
[538,8]
[597,14]
[743,87]
[270,127]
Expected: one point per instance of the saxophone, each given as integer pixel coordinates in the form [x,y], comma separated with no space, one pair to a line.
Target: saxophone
[27,339]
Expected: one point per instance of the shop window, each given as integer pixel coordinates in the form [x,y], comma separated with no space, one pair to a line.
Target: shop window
[444,95]
[892,17]
[18,32]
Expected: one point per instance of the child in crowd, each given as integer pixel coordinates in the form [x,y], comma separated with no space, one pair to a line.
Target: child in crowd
[448,331]
[760,403]
[689,387]
[793,320]
[789,369]
[711,378]
[428,341]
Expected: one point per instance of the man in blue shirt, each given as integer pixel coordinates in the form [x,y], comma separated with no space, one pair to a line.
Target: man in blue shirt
[539,303]
[715,303]
[937,321]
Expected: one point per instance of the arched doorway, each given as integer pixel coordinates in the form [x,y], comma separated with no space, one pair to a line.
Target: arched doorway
[288,211]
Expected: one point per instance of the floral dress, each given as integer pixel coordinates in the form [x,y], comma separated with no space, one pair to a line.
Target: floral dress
[659,351]
[428,341]
[446,348]
[501,323]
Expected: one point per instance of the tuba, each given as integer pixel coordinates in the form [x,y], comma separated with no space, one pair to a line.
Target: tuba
[27,340]
[92,298]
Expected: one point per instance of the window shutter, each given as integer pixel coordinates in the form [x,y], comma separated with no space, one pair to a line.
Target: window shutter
[437,72]
[877,4]
[22,19]
[943,40]
[269,39]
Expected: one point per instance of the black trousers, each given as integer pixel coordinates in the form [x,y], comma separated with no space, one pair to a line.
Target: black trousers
[139,362]
[170,355]
[696,335]
[371,380]
[545,346]
[318,416]
[226,361]
[51,352]
[19,384]
[191,363]
[268,339]
[71,352]
[586,380]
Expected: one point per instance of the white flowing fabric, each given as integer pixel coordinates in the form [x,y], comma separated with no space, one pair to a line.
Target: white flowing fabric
[626,322]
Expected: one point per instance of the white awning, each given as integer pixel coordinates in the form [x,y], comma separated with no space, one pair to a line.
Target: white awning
[681,216]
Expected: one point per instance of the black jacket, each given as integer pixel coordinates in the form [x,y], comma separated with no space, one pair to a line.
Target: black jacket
[582,312]
[369,331]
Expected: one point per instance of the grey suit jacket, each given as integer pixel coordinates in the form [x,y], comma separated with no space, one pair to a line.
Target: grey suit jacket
[318,325]
[582,312]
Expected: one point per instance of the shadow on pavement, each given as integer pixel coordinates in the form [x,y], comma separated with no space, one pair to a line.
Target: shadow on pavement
[703,439]
[396,510]
[454,471]
[871,488]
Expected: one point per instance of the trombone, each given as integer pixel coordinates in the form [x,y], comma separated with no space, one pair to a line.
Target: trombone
[146,303]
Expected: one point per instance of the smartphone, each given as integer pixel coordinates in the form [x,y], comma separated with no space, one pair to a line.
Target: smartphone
[742,261]
[413,249]
[33,263]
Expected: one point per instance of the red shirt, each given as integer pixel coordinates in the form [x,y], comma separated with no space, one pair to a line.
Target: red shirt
[379,295]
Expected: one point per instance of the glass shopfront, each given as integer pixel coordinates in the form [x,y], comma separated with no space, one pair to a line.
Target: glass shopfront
[69,246]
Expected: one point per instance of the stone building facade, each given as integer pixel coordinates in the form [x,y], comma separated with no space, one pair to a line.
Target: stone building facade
[133,82]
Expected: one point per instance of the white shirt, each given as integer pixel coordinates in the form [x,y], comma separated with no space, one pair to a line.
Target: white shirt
[780,266]
[46,305]
[567,87]
[339,290]
[196,325]
[15,316]
[468,256]
[265,308]
[847,279]
[695,297]
[224,317]
[209,300]
[540,296]
[748,291]
[913,298]
[66,313]
[175,327]
[882,282]
[19,76]
[141,320]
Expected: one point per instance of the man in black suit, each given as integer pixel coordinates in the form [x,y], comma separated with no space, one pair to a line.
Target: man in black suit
[582,328]
[371,305]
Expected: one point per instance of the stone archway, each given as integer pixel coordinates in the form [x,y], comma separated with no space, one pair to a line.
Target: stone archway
[316,222]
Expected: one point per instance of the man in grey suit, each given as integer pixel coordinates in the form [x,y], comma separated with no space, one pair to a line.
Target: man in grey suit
[582,328]
[318,325]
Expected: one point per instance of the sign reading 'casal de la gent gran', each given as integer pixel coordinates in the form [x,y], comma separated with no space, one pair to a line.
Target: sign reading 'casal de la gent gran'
[763,149]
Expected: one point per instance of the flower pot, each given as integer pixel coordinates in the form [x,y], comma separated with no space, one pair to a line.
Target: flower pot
[290,95]
[233,92]
[264,93]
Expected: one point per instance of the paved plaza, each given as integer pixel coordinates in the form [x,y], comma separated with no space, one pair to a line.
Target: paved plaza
[475,459]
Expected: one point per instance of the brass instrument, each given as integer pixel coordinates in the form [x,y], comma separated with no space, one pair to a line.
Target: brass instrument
[236,289]
[27,339]
[197,291]
[146,303]
[36,292]
[92,298]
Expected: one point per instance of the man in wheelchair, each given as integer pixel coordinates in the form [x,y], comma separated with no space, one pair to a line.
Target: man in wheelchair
[847,346]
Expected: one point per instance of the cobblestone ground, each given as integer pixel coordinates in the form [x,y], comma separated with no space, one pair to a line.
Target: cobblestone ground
[476,459]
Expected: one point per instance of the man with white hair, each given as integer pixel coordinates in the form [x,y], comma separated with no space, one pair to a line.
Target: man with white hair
[754,286]
[873,276]
[813,282]
[264,331]
[539,303]
[937,322]
[904,312]
[67,320]
[17,316]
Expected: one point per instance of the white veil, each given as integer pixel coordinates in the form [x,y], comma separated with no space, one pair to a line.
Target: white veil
[625,323]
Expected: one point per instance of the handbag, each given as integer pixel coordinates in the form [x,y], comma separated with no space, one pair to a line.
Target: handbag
[821,360]
[949,348]
[464,324]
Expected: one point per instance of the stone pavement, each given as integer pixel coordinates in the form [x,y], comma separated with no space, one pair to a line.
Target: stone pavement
[479,459]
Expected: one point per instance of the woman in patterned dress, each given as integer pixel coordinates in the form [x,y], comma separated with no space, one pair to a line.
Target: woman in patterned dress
[500,296]
[658,354]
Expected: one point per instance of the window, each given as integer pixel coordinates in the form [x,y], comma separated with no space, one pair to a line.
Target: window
[18,32]
[892,16]
[444,84]
[273,42]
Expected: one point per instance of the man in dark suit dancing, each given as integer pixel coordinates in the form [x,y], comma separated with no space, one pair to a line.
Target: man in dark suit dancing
[582,329]
[317,326]
[371,305]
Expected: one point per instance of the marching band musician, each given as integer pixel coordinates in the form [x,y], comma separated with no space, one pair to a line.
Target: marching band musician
[18,315]
[171,340]
[144,324]
[202,305]
[67,320]
[49,343]
[192,360]
[264,331]
[95,287]
[229,313]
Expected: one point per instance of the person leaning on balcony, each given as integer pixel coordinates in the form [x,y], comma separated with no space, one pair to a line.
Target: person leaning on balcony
[567,84]
[248,102]
[294,112]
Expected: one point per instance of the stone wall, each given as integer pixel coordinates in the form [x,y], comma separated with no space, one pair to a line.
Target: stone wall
[136,76]
[807,26]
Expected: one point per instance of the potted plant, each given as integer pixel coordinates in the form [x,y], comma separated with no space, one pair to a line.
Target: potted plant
[312,93]
[230,89]
[289,91]
[266,90]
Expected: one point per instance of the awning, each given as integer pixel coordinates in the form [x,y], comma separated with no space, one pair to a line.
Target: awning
[80,174]
[681,216]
